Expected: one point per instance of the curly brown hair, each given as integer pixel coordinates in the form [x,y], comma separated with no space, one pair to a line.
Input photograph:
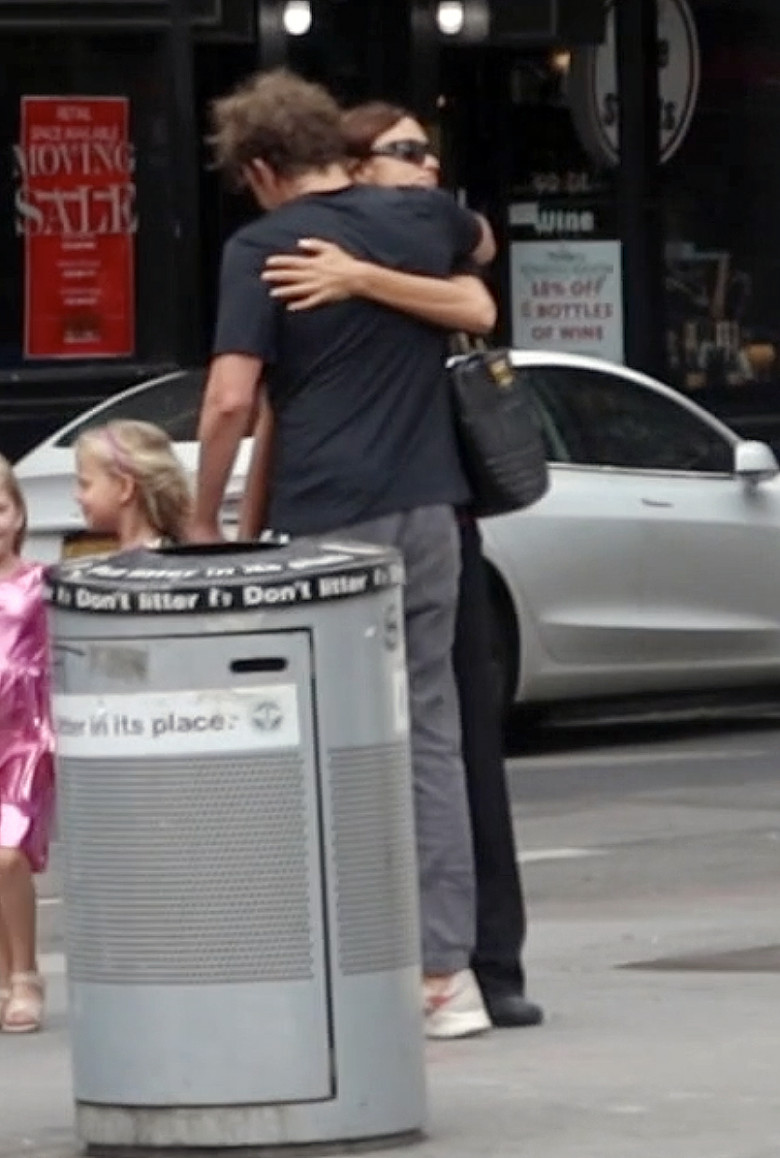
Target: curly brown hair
[364,123]
[276,117]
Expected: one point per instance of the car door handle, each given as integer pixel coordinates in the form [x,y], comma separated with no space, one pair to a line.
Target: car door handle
[657,504]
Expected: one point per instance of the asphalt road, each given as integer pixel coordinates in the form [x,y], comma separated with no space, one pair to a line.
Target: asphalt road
[654,812]
[651,858]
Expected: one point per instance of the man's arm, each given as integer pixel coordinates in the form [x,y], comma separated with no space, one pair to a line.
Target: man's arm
[253,513]
[324,273]
[228,405]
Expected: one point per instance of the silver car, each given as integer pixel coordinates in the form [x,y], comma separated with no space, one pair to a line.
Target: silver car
[650,566]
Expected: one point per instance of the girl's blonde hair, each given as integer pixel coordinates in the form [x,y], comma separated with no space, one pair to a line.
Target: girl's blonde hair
[145,453]
[10,484]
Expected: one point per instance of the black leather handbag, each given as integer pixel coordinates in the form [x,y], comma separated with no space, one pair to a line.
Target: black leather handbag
[501,443]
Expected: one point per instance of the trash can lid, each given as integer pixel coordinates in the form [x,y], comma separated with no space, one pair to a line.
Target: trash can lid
[225,577]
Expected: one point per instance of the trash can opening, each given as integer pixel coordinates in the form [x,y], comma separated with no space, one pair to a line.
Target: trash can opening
[270,541]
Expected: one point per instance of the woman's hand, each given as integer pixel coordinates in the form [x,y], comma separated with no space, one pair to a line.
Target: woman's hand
[322,274]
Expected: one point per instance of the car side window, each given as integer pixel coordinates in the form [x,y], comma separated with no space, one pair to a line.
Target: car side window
[173,404]
[554,446]
[607,420]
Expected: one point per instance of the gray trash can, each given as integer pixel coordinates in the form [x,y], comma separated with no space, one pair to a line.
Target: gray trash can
[240,876]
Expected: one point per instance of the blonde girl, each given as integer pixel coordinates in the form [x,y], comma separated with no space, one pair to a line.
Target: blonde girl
[131,484]
[26,763]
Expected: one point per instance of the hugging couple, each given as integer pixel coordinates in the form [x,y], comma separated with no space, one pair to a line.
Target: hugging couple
[335,309]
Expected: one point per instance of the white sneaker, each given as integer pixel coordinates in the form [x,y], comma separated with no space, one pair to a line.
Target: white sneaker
[454,1007]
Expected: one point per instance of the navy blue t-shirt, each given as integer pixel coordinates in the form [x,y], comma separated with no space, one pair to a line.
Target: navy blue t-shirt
[364,425]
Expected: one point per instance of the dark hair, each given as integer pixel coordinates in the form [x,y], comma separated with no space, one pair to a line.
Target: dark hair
[363,124]
[276,117]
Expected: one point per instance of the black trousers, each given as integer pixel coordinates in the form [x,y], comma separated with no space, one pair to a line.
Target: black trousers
[501,918]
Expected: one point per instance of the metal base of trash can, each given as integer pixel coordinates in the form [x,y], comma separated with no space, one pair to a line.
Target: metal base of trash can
[313,1150]
[111,1132]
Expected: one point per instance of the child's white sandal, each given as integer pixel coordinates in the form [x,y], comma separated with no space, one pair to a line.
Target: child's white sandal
[23,1012]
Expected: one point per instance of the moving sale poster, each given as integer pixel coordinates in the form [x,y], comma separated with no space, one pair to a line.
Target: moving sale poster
[75,209]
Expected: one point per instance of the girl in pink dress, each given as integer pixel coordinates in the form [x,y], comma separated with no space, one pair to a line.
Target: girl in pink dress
[26,764]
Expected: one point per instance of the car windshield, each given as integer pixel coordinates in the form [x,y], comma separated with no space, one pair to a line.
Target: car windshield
[173,403]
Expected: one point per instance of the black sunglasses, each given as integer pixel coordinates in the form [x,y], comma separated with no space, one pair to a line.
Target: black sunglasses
[415,152]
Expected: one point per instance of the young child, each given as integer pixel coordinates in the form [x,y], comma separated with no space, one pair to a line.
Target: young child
[26,763]
[131,484]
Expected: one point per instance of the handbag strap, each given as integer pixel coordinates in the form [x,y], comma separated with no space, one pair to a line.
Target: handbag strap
[463,344]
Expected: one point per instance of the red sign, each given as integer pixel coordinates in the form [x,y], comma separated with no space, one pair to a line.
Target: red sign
[75,208]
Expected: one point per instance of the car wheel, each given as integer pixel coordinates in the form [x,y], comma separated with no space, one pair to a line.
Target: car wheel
[504,644]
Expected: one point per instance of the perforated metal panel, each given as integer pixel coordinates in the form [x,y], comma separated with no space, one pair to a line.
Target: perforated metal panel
[161,912]
[376,877]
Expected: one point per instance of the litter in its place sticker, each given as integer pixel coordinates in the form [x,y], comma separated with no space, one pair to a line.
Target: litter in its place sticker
[177,723]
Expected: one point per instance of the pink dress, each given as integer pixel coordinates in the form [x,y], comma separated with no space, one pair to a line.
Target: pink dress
[26,736]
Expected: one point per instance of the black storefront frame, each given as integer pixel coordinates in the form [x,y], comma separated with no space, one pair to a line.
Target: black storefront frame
[639,186]
[642,196]
[637,199]
[37,397]
[173,20]
[183,170]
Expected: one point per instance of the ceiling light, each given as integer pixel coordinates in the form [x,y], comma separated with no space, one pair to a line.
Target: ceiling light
[560,61]
[464,21]
[451,17]
[297,17]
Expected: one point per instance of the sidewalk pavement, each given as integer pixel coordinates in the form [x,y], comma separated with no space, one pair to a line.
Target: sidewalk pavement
[632,1063]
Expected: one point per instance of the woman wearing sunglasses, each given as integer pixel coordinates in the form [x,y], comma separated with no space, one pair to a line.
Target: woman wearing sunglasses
[389,147]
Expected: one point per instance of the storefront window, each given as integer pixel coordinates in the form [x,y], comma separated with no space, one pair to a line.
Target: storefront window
[522,160]
[86,239]
[565,273]
[721,196]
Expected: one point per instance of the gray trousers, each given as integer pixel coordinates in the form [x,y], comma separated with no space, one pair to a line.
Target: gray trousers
[429,541]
